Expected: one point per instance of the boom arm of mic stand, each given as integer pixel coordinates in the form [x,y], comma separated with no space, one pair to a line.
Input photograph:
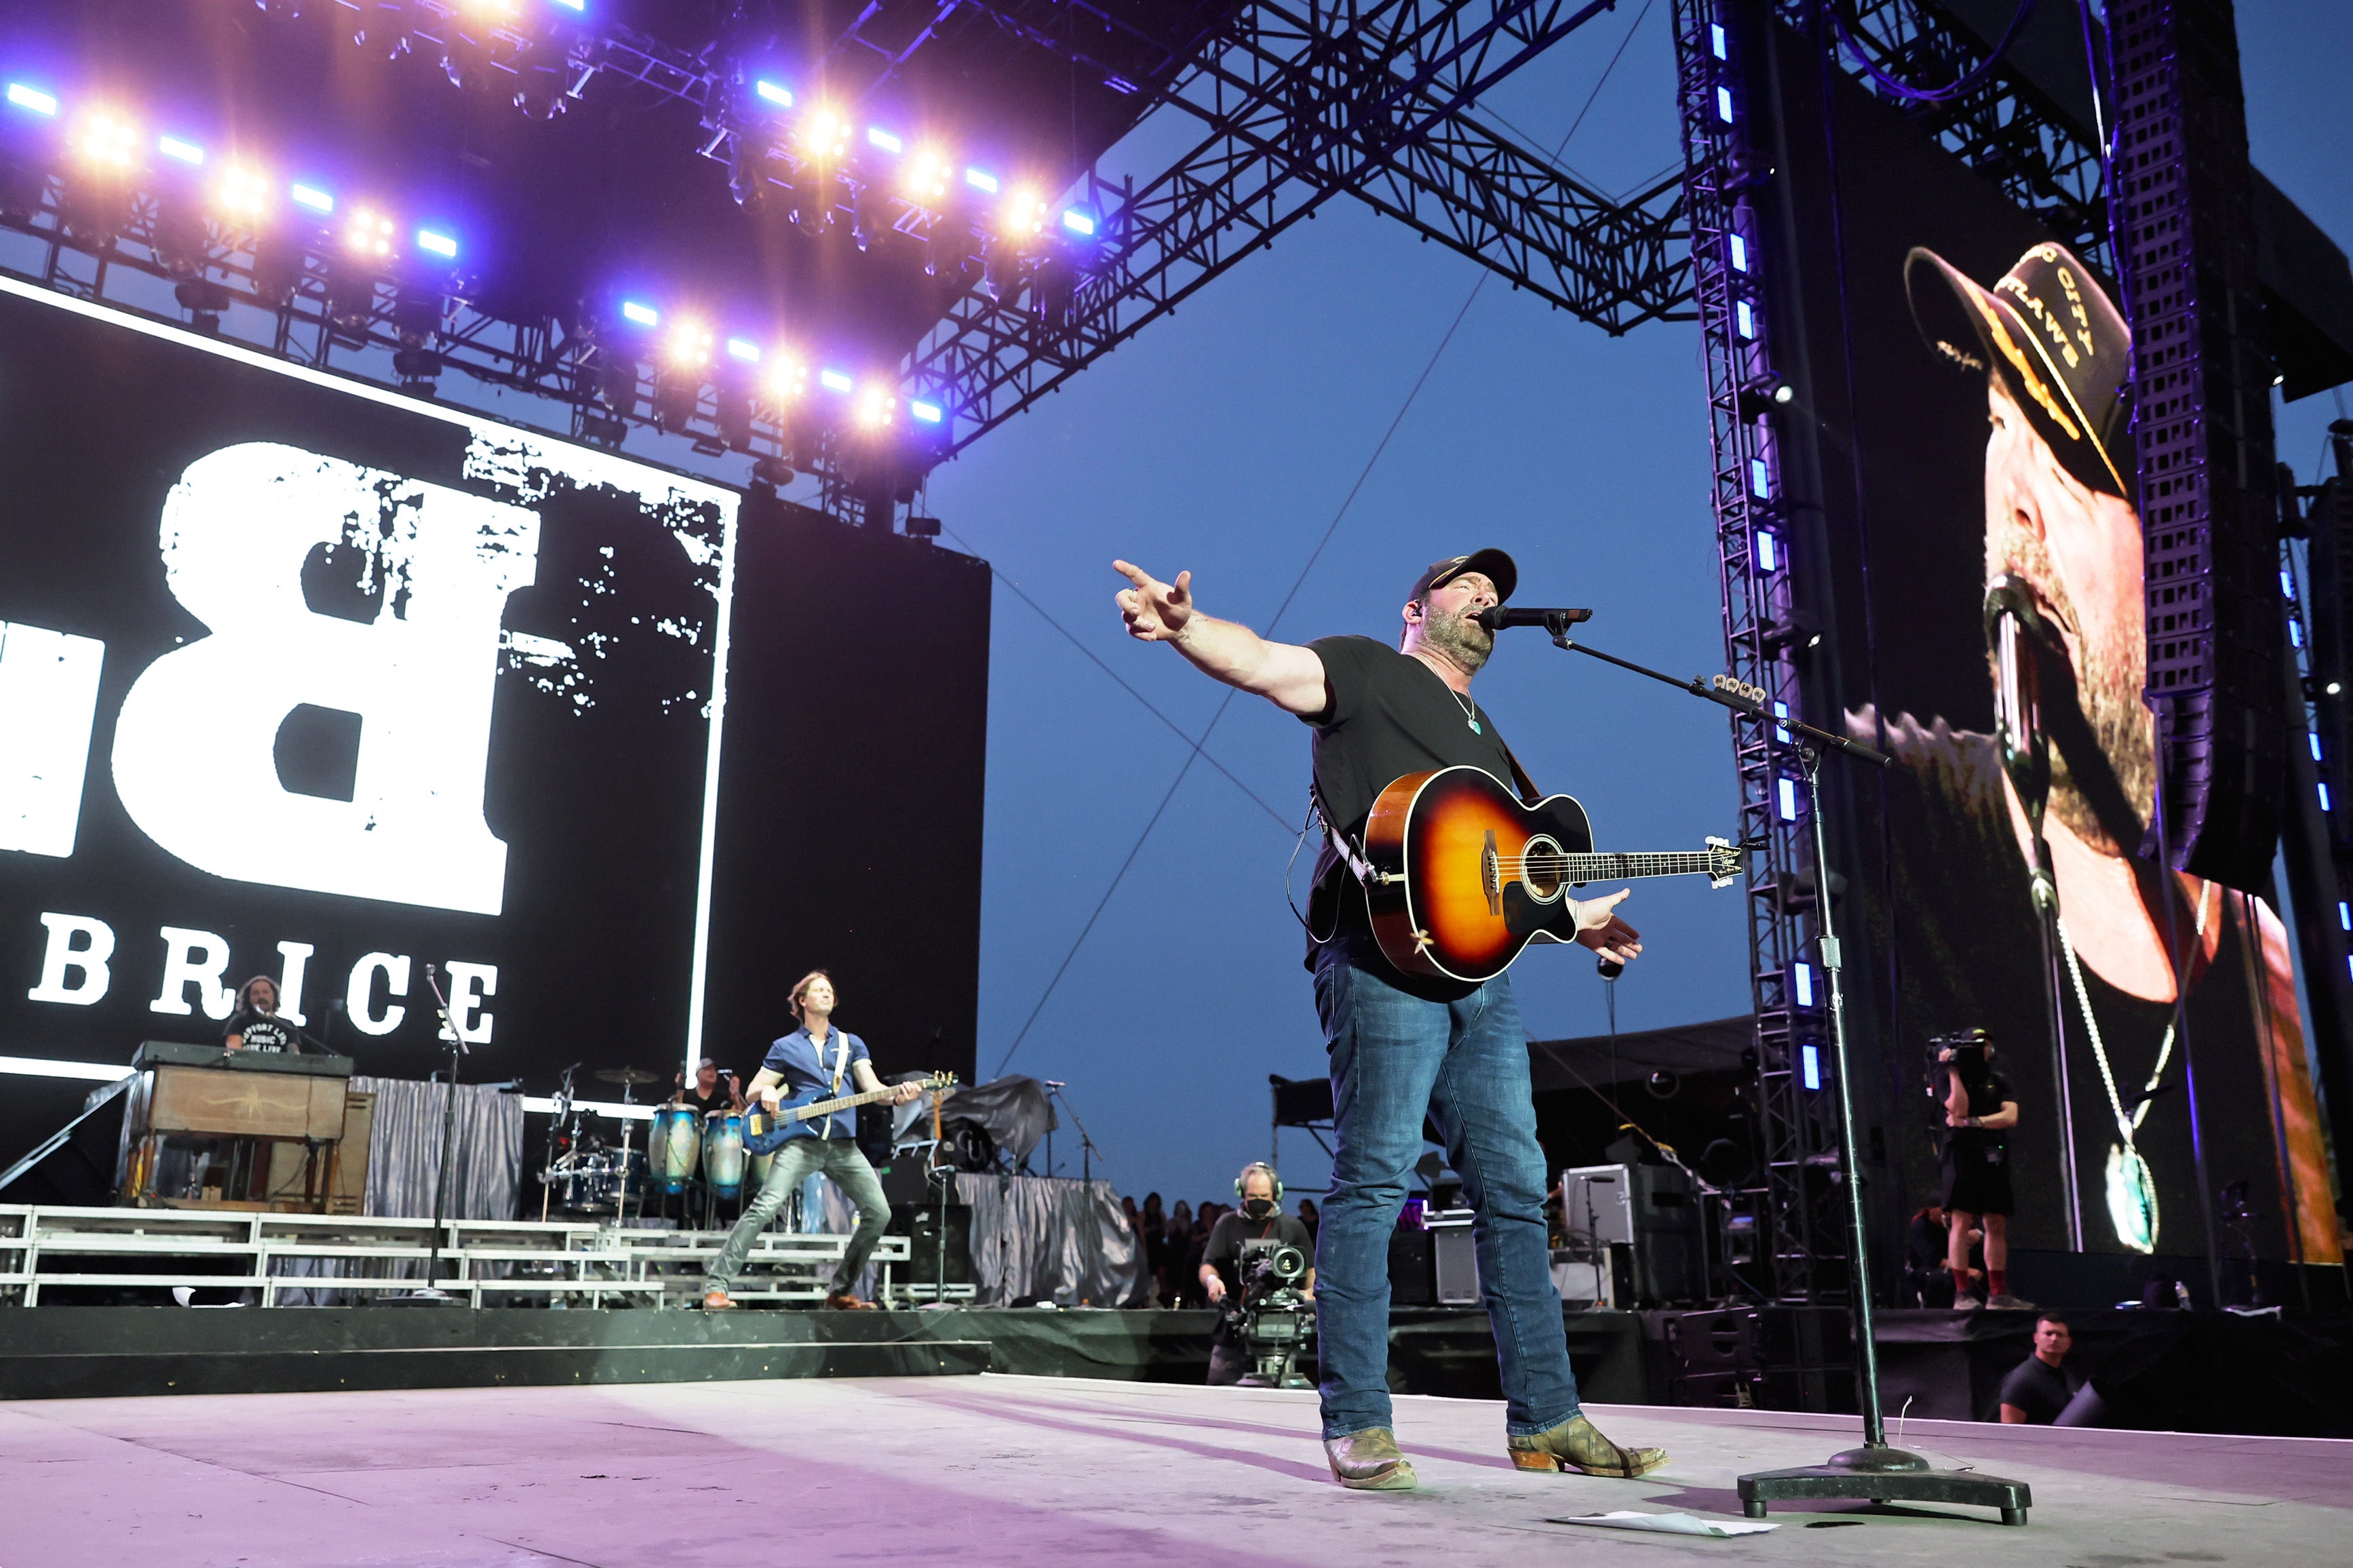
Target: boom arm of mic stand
[1749,707]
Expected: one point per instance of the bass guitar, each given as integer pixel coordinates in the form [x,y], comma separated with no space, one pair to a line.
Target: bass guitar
[1459,876]
[765,1131]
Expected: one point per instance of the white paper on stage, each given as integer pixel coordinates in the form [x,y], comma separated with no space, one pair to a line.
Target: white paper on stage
[1667,1523]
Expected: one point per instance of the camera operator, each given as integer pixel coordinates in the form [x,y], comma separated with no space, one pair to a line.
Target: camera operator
[1261,1218]
[1979,1111]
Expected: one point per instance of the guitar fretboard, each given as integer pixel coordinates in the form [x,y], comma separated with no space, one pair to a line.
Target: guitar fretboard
[1612,867]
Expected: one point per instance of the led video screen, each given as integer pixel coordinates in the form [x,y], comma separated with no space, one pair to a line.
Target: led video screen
[305,680]
[1965,443]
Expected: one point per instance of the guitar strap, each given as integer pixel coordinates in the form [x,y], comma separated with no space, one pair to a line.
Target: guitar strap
[840,1066]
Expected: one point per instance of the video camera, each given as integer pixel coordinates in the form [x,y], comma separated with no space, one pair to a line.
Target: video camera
[1272,1319]
[1964,1051]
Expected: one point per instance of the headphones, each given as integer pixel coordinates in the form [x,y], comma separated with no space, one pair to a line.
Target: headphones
[1270,1176]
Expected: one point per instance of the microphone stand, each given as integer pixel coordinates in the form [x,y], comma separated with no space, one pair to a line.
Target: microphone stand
[1875,1472]
[1087,1150]
[432,1291]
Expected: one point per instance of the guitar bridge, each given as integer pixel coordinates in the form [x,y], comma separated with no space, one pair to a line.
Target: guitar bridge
[1490,875]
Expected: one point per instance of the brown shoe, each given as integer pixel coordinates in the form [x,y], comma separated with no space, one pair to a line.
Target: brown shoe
[1369,1461]
[717,1302]
[843,1301]
[1576,1445]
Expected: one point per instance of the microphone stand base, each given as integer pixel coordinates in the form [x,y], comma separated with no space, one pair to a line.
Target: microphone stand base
[426,1296]
[1877,1473]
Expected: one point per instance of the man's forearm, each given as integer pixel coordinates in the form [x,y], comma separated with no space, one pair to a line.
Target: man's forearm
[1226,651]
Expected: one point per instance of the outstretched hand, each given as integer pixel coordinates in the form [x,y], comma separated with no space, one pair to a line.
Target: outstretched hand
[1155,611]
[1600,927]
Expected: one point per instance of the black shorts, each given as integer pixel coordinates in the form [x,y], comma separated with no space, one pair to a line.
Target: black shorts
[1977,1180]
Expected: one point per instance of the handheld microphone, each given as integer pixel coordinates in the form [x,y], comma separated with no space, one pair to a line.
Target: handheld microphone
[1497,619]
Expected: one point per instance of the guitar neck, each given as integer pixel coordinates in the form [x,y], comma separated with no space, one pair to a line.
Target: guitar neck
[828,1106]
[1624,868]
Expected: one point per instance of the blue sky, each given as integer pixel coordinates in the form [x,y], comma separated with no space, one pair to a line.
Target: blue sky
[1224,440]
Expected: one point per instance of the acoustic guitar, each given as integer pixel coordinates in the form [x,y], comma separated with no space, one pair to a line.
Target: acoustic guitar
[1465,875]
[765,1131]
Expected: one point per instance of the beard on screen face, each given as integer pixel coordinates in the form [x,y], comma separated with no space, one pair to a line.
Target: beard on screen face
[2111,660]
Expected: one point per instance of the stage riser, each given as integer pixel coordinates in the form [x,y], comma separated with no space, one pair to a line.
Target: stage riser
[499,1366]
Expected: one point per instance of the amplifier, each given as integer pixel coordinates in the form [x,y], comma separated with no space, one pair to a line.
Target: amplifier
[920,1226]
[1454,1256]
[1653,1211]
[1413,1276]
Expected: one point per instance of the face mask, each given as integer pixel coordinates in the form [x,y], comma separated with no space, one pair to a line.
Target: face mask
[1258,1208]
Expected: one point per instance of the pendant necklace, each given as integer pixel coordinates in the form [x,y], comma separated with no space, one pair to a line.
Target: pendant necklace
[1469,709]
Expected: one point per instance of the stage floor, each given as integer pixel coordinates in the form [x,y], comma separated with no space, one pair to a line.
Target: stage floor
[992,1470]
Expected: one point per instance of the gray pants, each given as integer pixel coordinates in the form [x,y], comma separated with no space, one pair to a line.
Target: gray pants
[836,1157]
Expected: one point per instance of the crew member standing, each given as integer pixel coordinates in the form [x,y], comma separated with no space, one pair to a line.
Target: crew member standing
[255,1026]
[1260,1218]
[1401,1046]
[816,1061]
[1980,1109]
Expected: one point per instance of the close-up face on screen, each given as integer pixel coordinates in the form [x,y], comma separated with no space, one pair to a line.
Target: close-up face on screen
[1996,645]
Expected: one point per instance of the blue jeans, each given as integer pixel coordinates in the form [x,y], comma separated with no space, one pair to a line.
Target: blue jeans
[797,1160]
[1396,1055]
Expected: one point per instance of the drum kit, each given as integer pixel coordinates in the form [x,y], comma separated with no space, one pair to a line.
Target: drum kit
[591,1172]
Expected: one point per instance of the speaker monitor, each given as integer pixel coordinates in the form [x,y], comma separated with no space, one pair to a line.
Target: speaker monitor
[920,1226]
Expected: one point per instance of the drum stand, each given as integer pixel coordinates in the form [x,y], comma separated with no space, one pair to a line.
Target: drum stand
[628,1128]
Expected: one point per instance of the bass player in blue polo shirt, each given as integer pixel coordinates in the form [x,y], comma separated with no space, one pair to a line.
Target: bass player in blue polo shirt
[816,1061]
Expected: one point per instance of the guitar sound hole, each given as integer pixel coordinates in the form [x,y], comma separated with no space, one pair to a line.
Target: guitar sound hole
[1540,868]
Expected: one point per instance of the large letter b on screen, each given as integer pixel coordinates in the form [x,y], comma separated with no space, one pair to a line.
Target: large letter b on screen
[194,747]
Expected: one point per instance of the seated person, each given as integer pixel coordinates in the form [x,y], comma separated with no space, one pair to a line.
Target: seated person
[2043,1390]
[1261,1218]
[708,1096]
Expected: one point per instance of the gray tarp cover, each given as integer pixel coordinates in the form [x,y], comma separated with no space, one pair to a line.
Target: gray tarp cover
[1014,1112]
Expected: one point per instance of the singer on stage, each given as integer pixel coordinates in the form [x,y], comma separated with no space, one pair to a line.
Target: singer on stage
[1402,1046]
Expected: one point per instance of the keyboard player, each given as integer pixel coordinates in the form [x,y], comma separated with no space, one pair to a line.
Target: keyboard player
[255,1026]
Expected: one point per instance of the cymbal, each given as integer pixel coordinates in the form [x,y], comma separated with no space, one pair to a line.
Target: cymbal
[628,1075]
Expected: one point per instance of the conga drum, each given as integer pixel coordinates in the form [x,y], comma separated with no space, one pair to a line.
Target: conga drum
[676,1141]
[722,1154]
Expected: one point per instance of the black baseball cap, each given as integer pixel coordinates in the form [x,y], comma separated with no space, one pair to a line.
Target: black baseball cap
[2049,329]
[1497,566]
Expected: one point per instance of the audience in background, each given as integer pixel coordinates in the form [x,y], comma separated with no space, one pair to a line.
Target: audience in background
[1309,1217]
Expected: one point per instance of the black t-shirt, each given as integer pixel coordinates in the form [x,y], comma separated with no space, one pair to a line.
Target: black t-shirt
[1388,714]
[1962,927]
[1989,1091]
[692,1100]
[262,1032]
[1224,1252]
[2040,1389]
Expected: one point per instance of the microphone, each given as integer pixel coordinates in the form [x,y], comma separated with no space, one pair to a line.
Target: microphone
[1499,617]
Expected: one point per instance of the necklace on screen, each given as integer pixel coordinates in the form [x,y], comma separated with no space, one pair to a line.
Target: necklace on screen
[2131,1185]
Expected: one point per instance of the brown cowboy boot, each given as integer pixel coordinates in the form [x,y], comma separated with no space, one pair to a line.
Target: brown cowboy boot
[1369,1461]
[1576,1445]
[717,1302]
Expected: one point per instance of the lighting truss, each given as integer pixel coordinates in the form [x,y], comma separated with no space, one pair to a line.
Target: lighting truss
[1752,540]
[2005,131]
[1371,100]
[294,302]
